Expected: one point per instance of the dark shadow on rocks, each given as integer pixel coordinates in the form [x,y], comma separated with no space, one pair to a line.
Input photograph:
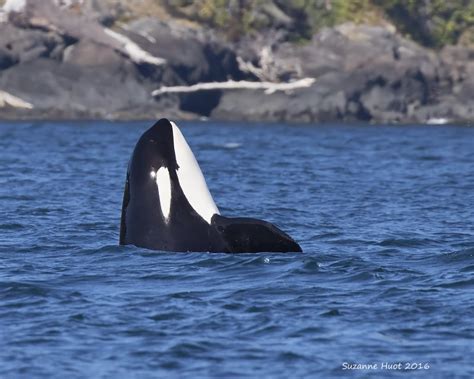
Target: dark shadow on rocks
[201,103]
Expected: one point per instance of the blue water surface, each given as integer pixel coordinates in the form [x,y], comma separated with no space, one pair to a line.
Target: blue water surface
[385,216]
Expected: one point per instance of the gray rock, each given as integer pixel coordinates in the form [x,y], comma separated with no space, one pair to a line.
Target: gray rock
[23,45]
[194,55]
[69,88]
[7,59]
[88,53]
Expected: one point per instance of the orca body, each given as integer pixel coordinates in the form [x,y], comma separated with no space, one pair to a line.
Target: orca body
[167,205]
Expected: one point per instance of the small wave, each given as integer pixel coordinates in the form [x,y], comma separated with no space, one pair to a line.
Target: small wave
[101,251]
[458,284]
[308,331]
[20,289]
[290,356]
[262,330]
[189,295]
[165,316]
[388,252]
[12,226]
[35,341]
[352,242]
[245,260]
[308,266]
[232,145]
[98,225]
[407,242]
[405,332]
[466,255]
[331,313]
[430,158]
[191,349]
[469,268]
[392,291]
[163,276]
[77,317]
[361,277]
[233,306]
[327,235]
[351,262]
[45,211]
[18,197]
[211,262]
[258,309]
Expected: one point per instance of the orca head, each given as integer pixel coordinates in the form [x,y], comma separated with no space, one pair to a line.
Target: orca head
[163,161]
[153,151]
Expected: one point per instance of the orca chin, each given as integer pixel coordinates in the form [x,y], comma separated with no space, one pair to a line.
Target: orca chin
[167,205]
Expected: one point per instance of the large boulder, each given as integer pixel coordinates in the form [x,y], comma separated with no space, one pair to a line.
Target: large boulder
[87,53]
[22,45]
[195,55]
[69,89]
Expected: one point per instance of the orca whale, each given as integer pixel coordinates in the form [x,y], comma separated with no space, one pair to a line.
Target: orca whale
[167,205]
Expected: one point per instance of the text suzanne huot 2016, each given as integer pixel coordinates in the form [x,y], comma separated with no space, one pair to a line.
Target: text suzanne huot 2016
[386,366]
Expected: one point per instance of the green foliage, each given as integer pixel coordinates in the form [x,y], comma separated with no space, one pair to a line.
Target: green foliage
[300,18]
[321,13]
[228,16]
[433,23]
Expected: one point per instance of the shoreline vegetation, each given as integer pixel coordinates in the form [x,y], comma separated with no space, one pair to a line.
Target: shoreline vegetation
[371,61]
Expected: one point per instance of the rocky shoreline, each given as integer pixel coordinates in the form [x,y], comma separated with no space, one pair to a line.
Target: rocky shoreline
[69,63]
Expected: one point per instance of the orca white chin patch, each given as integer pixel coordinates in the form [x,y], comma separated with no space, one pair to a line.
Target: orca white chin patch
[163,182]
[191,179]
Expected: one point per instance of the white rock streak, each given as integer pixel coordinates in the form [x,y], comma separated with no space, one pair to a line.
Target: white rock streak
[268,87]
[135,52]
[11,6]
[14,6]
[68,3]
[7,99]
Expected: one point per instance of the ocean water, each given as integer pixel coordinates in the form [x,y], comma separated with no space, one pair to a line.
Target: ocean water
[385,216]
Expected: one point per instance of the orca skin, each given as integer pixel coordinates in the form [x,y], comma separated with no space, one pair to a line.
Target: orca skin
[167,205]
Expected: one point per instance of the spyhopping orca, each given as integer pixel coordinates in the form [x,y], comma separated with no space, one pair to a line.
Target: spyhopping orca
[167,205]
